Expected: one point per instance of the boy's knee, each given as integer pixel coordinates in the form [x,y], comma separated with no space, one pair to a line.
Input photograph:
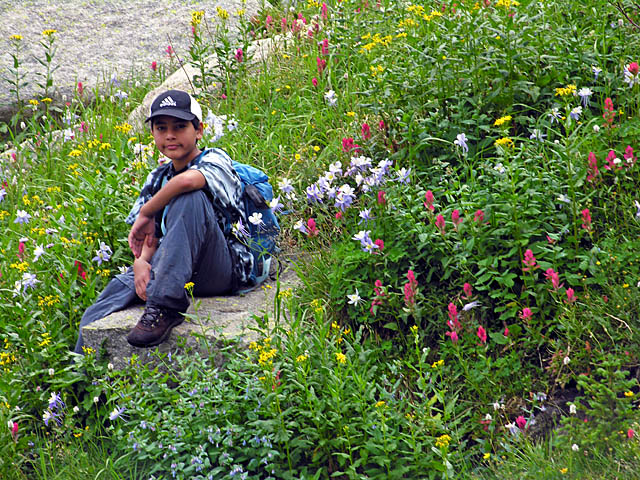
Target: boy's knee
[189,200]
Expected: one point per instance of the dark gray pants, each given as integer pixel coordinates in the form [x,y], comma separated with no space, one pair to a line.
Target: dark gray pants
[193,249]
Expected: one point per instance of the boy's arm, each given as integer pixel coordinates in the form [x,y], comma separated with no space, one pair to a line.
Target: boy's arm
[144,226]
[142,269]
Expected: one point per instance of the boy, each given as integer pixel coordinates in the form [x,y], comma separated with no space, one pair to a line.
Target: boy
[178,228]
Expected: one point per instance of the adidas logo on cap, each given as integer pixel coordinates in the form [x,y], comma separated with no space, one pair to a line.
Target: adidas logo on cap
[168,102]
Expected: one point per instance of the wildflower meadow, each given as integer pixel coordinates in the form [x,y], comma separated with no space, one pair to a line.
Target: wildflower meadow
[458,189]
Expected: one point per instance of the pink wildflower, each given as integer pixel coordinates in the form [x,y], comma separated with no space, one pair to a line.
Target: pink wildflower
[324,14]
[410,289]
[324,47]
[322,63]
[453,335]
[630,433]
[521,422]
[455,218]
[382,197]
[381,125]
[429,200]
[283,24]
[440,224]
[478,216]
[314,81]
[553,276]
[379,293]
[366,131]
[239,55]
[529,261]
[571,296]
[586,220]
[629,156]
[633,68]
[468,290]
[482,334]
[338,215]
[312,228]
[80,88]
[526,314]
[348,145]
[611,161]
[453,322]
[380,243]
[169,50]
[154,66]
[609,113]
[506,331]
[593,167]
[268,23]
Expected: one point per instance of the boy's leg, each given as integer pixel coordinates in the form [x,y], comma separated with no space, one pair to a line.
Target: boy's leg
[193,249]
[118,295]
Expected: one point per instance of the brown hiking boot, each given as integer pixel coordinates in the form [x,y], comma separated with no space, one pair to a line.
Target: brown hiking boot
[154,326]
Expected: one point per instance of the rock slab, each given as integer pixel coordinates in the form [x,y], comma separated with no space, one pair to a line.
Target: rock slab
[210,323]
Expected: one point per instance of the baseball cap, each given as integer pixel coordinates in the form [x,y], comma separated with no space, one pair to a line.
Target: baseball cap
[175,103]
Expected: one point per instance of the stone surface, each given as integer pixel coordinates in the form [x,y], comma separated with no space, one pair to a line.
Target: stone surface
[218,319]
[181,79]
[98,39]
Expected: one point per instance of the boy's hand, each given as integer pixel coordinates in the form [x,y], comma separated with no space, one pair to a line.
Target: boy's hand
[143,228]
[141,276]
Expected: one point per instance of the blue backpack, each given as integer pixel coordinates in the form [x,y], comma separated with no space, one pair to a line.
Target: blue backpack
[256,195]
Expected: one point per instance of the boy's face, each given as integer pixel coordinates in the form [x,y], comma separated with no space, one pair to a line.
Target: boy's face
[176,139]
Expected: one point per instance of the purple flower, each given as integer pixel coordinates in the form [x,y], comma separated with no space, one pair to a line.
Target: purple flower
[461,141]
[275,205]
[596,71]
[344,197]
[116,413]
[584,93]
[300,226]
[403,175]
[365,215]
[55,402]
[576,112]
[239,230]
[103,254]
[22,216]
[3,193]
[314,193]
[29,280]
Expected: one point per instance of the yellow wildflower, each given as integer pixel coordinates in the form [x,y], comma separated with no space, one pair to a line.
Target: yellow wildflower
[49,32]
[351,114]
[486,456]
[240,12]
[46,100]
[381,403]
[628,394]
[75,153]
[34,102]
[222,13]
[189,285]
[564,470]
[507,3]
[443,441]
[124,128]
[505,142]
[196,17]
[16,37]
[502,121]
[437,364]
[88,350]
[341,357]
[414,330]
[566,91]
[301,358]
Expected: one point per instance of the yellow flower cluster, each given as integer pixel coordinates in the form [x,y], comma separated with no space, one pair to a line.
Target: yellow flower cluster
[73,168]
[196,17]
[376,40]
[46,100]
[443,441]
[3,213]
[46,340]
[48,301]
[34,102]
[6,358]
[341,357]
[507,3]
[566,91]
[380,404]
[502,120]
[302,358]
[222,13]
[407,22]
[317,305]
[75,153]
[49,32]
[124,128]
[376,70]
[21,267]
[54,190]
[240,12]
[432,15]
[437,364]
[16,37]
[88,350]
[286,293]
[313,4]
[266,353]
[505,142]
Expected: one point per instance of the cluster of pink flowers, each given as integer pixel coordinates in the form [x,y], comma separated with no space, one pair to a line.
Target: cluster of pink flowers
[379,295]
[410,289]
[609,113]
[456,219]
[529,261]
[586,220]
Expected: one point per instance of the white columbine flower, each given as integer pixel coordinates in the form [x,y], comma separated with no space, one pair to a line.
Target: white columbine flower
[354,298]
[256,218]
[331,98]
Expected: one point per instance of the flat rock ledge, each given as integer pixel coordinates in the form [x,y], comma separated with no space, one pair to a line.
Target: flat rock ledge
[210,323]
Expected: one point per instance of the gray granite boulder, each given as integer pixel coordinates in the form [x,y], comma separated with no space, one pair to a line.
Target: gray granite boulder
[210,323]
